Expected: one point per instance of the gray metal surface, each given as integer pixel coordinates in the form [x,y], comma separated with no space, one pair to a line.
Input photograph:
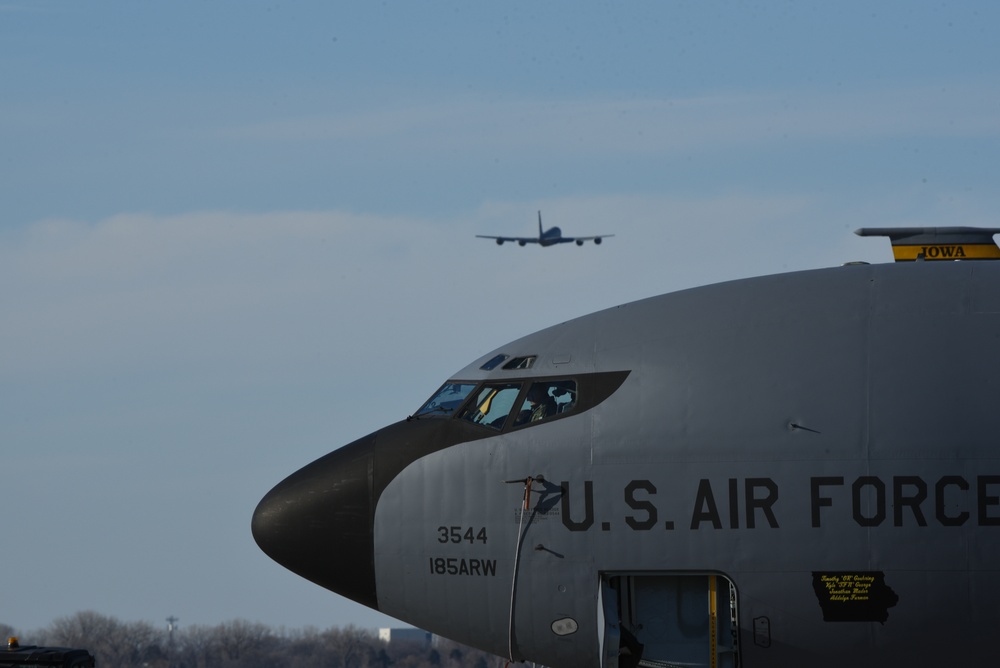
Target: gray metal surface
[825,440]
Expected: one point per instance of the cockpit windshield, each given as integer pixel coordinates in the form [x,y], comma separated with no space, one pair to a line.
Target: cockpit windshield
[446,400]
[501,406]
[546,399]
[508,405]
[492,405]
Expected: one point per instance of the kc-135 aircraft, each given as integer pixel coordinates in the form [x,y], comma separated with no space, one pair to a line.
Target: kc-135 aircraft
[549,237]
[792,470]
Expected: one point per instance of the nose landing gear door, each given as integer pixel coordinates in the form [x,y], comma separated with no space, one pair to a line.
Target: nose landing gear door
[669,620]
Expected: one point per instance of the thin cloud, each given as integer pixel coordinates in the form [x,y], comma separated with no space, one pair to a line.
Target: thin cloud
[217,285]
[643,125]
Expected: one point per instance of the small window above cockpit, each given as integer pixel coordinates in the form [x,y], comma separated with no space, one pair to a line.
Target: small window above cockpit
[446,400]
[494,362]
[525,362]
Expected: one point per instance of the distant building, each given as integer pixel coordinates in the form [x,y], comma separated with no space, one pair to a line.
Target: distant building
[410,635]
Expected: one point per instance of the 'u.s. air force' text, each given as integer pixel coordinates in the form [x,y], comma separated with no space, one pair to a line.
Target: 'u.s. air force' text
[750,503]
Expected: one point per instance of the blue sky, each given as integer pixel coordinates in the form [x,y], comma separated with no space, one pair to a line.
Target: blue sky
[236,235]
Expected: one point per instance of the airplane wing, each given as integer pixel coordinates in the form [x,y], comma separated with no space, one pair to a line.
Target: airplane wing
[595,238]
[549,237]
[580,240]
[520,240]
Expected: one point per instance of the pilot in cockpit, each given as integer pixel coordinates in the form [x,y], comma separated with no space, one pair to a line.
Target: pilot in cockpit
[539,404]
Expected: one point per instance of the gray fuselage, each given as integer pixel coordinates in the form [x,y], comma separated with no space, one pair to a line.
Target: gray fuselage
[798,469]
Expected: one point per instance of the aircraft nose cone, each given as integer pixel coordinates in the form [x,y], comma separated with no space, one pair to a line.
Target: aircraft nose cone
[318,522]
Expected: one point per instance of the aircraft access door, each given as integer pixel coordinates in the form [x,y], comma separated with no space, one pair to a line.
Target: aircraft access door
[669,620]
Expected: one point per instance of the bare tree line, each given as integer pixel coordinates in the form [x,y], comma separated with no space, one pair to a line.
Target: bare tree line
[117,644]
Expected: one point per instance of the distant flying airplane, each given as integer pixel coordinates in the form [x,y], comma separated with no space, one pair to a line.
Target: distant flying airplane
[774,472]
[549,237]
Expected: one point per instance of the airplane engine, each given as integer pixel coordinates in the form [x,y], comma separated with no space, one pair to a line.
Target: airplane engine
[579,242]
[597,240]
[500,242]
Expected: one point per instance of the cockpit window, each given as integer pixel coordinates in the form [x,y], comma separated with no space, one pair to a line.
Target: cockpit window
[503,406]
[521,362]
[446,400]
[494,362]
[546,400]
[492,405]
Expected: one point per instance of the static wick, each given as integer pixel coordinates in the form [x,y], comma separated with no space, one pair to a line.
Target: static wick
[795,425]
